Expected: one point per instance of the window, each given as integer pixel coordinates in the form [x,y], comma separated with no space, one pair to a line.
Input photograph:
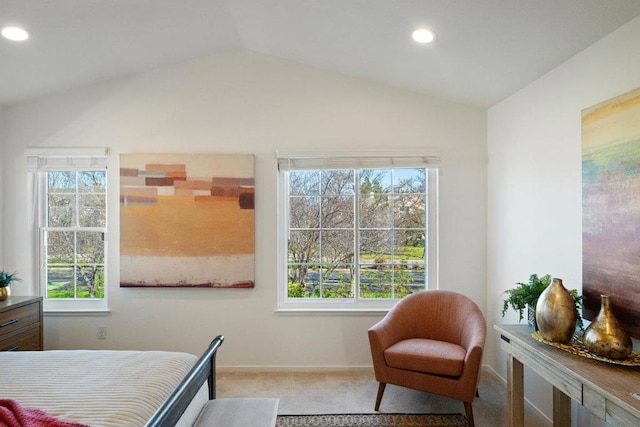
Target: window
[69,205]
[356,231]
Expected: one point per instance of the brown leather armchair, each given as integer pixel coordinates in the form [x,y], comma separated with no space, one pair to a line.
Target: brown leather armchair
[431,341]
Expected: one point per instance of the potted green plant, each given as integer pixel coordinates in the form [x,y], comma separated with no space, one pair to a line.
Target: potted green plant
[5,280]
[525,296]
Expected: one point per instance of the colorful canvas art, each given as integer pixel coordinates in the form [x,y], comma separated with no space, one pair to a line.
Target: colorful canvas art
[187,220]
[611,208]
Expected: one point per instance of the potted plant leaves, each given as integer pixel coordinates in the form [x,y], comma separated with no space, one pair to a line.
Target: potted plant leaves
[525,296]
[5,280]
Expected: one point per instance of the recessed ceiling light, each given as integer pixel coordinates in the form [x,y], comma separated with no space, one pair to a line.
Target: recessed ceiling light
[15,34]
[423,35]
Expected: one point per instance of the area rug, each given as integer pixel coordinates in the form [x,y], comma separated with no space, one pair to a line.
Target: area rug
[377,420]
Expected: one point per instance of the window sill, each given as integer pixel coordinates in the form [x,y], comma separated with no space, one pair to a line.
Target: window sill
[78,312]
[332,311]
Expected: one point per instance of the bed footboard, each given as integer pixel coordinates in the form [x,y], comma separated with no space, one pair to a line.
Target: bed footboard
[174,406]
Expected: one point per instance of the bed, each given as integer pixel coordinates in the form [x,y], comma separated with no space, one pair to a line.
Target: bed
[112,388]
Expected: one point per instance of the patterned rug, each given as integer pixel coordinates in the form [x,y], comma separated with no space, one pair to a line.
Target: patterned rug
[366,420]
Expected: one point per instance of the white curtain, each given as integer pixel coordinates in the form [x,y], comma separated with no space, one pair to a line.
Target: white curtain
[366,159]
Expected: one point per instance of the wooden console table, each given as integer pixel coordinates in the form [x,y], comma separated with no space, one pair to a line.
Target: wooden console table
[610,392]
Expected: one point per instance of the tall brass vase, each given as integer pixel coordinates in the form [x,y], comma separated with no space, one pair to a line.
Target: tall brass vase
[604,336]
[556,313]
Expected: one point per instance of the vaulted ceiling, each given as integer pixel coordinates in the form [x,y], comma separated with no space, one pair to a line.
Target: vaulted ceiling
[484,51]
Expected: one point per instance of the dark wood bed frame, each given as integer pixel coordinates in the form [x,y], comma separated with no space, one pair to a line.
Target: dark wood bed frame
[174,406]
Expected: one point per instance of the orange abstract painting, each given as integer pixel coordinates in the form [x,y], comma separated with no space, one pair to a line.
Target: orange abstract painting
[187,220]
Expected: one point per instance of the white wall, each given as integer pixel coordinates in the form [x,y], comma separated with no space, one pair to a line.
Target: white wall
[245,102]
[535,181]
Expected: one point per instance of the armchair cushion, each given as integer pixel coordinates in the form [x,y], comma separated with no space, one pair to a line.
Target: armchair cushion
[427,356]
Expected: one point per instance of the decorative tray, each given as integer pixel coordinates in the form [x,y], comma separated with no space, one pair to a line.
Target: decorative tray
[576,347]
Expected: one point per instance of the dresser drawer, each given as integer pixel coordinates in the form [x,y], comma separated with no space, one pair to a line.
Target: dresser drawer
[18,318]
[22,341]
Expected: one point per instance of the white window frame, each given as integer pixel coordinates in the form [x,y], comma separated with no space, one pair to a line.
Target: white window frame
[39,162]
[306,160]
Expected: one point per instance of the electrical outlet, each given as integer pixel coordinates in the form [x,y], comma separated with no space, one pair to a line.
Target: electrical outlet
[102,332]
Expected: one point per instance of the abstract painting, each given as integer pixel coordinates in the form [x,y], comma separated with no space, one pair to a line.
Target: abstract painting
[611,208]
[187,220]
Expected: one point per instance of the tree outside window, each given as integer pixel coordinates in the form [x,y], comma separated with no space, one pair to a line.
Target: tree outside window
[74,234]
[357,233]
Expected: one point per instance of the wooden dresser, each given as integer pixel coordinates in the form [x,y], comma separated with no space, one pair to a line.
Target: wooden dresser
[21,324]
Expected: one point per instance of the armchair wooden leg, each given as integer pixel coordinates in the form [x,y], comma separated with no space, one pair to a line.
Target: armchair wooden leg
[477,394]
[380,393]
[469,411]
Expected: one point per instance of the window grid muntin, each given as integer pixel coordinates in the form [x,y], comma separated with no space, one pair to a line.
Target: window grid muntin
[75,266]
[357,264]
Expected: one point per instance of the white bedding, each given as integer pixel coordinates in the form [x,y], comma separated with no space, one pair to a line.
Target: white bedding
[97,387]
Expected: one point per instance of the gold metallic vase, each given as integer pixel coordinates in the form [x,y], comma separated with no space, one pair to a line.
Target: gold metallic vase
[556,313]
[4,293]
[604,336]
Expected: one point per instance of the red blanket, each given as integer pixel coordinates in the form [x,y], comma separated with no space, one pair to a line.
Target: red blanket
[12,414]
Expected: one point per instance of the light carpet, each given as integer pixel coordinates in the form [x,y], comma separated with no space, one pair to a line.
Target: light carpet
[366,420]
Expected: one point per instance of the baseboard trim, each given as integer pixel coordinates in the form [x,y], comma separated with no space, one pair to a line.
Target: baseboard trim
[489,371]
[252,369]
